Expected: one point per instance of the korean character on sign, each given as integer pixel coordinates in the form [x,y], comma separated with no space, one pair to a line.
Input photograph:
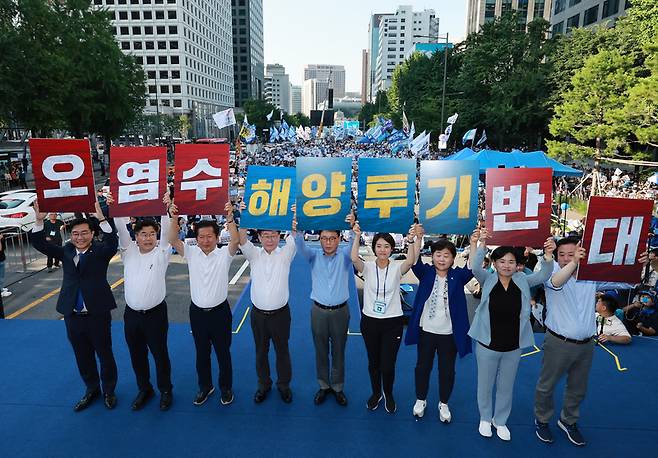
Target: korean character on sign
[271,197]
[508,201]
[201,186]
[385,192]
[64,178]
[314,186]
[450,187]
[130,173]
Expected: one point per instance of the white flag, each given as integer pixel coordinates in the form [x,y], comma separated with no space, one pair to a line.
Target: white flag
[453,119]
[483,138]
[421,143]
[224,118]
[269,116]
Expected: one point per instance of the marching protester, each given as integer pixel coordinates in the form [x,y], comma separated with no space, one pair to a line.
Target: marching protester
[53,228]
[439,320]
[331,268]
[210,313]
[381,311]
[270,318]
[85,300]
[146,323]
[501,327]
[568,345]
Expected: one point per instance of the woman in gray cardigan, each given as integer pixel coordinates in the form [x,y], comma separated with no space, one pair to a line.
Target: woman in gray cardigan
[501,327]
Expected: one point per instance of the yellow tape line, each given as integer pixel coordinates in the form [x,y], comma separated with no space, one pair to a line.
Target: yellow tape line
[616,358]
[244,317]
[536,350]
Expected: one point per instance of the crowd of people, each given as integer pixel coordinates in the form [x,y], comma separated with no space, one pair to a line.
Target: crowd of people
[577,314]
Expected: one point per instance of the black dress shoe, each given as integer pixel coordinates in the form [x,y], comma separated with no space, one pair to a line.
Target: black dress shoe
[227,397]
[110,400]
[321,395]
[166,398]
[142,398]
[260,395]
[340,398]
[286,395]
[86,400]
[202,396]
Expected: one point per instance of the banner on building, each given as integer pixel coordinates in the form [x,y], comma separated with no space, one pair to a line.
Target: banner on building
[138,180]
[387,194]
[202,180]
[269,195]
[63,175]
[449,196]
[616,234]
[518,206]
[323,192]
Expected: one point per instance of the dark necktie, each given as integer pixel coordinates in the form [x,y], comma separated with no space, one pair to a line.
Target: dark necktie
[79,301]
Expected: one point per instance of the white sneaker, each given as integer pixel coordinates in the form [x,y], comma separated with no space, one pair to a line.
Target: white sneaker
[444,413]
[5,289]
[503,432]
[6,293]
[485,428]
[419,408]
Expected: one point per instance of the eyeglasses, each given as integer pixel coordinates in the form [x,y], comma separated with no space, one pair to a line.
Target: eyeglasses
[329,239]
[269,237]
[80,234]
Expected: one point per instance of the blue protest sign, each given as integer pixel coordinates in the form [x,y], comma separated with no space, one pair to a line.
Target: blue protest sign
[449,196]
[387,192]
[323,193]
[269,195]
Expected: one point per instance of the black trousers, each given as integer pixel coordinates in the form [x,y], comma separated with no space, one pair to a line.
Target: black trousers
[90,336]
[382,337]
[148,331]
[213,328]
[444,346]
[274,327]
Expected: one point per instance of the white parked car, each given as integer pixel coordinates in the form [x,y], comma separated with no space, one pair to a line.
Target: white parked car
[16,210]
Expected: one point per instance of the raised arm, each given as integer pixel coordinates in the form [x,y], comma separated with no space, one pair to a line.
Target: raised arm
[560,277]
[234,243]
[174,228]
[122,230]
[544,273]
[411,251]
[110,241]
[478,258]
[356,260]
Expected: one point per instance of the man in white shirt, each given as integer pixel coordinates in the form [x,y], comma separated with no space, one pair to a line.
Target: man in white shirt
[609,328]
[146,324]
[210,313]
[270,318]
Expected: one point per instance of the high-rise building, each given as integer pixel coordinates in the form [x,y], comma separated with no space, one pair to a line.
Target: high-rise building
[310,89]
[248,58]
[373,53]
[399,32]
[568,14]
[295,99]
[364,76]
[322,72]
[277,86]
[483,11]
[185,51]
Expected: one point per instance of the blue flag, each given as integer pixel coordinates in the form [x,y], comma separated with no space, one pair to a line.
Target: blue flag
[269,195]
[324,194]
[470,135]
[449,196]
[387,194]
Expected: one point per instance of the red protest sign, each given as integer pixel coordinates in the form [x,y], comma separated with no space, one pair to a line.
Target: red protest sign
[63,174]
[138,180]
[201,178]
[616,233]
[518,206]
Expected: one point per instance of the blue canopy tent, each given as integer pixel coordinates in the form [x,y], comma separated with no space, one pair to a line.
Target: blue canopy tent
[490,159]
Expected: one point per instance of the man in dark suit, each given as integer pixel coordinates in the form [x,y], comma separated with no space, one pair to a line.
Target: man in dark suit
[86,300]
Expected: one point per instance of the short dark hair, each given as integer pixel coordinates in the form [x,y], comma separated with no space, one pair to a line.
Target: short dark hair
[520,255]
[206,223]
[609,302]
[567,241]
[501,251]
[444,244]
[147,222]
[260,231]
[330,230]
[388,238]
[80,222]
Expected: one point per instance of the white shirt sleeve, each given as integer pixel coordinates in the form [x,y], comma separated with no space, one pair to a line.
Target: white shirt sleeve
[124,236]
[105,227]
[290,248]
[249,250]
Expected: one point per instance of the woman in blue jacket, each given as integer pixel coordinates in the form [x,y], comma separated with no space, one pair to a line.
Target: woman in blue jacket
[501,327]
[439,320]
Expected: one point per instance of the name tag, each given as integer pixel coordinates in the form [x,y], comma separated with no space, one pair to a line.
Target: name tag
[52,233]
[379,307]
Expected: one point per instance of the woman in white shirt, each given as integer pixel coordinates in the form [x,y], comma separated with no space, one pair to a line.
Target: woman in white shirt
[381,313]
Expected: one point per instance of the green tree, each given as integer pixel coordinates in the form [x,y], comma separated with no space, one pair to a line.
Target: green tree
[257,111]
[297,119]
[370,111]
[588,119]
[641,108]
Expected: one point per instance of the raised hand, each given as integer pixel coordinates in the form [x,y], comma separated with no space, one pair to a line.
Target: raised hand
[420,231]
[349,219]
[411,234]
[39,215]
[644,258]
[549,248]
[166,199]
[475,236]
[228,208]
[109,198]
[357,229]
[173,210]
[579,254]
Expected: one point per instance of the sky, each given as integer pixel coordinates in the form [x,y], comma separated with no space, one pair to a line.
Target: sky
[300,32]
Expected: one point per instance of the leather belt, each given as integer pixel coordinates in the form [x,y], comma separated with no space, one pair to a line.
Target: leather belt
[330,307]
[147,311]
[210,309]
[566,339]
[76,313]
[270,312]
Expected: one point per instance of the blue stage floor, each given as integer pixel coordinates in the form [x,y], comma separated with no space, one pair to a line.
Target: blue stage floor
[39,384]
